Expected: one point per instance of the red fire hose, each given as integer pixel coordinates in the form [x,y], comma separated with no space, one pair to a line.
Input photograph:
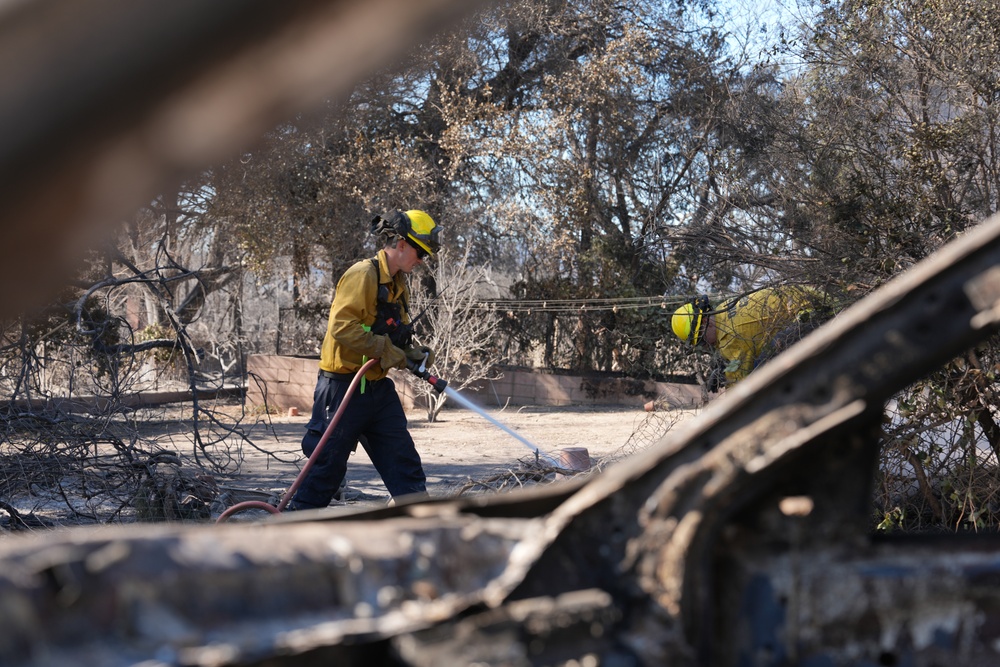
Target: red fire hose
[259,504]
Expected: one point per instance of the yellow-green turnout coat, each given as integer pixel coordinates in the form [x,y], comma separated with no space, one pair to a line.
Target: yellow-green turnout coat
[746,328]
[348,343]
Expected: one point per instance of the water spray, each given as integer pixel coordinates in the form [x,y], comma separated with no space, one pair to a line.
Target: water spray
[451,393]
[420,370]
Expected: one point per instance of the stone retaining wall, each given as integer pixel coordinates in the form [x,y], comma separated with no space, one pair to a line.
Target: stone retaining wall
[288,382]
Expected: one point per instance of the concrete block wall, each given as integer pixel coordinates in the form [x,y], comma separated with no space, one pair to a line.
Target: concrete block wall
[522,387]
[289,382]
[281,382]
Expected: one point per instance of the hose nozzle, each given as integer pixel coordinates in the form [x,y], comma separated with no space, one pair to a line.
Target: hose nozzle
[436,382]
[420,370]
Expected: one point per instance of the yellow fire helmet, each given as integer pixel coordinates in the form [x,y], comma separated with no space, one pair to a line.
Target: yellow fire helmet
[423,231]
[687,320]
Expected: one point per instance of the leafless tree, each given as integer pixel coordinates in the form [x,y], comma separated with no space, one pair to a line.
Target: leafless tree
[463,336]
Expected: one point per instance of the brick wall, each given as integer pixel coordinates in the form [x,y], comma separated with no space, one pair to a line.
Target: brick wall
[289,382]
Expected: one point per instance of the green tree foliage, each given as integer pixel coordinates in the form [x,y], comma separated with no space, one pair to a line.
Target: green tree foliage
[889,150]
[882,142]
[590,142]
[562,142]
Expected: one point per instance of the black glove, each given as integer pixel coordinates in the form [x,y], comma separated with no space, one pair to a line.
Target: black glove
[417,354]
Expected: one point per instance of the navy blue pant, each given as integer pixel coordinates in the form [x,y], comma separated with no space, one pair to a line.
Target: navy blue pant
[378,416]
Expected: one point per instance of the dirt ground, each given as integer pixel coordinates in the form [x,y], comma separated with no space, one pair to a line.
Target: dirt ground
[463,453]
[463,447]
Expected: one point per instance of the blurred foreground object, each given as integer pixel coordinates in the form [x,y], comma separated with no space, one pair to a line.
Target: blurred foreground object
[106,102]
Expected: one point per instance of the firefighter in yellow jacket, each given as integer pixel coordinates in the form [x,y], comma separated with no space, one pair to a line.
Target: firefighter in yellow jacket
[749,330]
[369,320]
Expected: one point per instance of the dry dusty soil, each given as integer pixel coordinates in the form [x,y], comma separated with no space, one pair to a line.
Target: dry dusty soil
[462,449]
[463,453]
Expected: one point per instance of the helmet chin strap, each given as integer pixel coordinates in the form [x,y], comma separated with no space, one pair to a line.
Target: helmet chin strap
[702,311]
